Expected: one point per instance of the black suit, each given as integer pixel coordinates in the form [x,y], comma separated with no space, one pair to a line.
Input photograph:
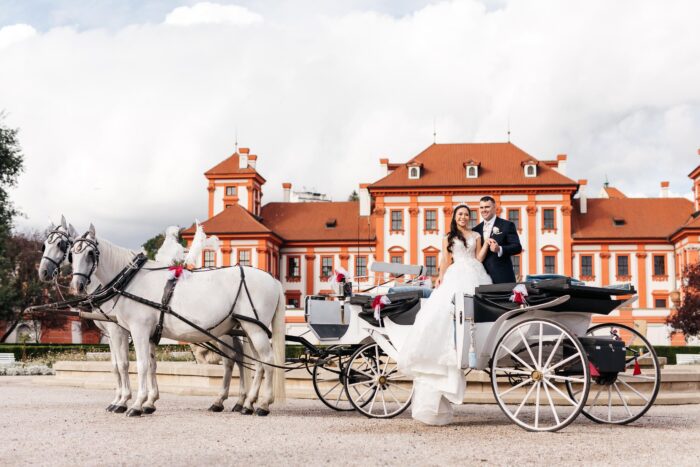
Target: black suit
[506,235]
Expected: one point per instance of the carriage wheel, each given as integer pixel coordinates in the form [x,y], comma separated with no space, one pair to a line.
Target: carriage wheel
[624,398]
[374,384]
[328,378]
[528,370]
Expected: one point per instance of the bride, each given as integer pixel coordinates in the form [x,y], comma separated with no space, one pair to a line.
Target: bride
[429,354]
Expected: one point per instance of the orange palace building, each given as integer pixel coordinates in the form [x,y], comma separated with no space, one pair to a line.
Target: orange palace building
[403,216]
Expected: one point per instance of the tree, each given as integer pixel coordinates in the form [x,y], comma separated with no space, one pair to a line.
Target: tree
[153,244]
[11,161]
[354,196]
[24,289]
[687,317]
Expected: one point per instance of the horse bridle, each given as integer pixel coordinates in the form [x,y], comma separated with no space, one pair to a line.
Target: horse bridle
[64,245]
[95,252]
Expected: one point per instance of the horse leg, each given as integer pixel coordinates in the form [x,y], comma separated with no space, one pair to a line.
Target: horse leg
[263,349]
[243,373]
[115,371]
[252,394]
[142,346]
[218,404]
[119,344]
[153,395]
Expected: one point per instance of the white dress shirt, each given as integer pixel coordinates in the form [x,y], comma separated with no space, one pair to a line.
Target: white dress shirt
[488,228]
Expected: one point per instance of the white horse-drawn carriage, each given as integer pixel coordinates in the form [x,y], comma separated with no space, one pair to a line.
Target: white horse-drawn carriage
[542,356]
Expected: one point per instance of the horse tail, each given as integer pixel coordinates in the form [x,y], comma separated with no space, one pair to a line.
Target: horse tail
[278,346]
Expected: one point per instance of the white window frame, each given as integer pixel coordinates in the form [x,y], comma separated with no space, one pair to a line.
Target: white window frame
[476,171]
[528,169]
[414,173]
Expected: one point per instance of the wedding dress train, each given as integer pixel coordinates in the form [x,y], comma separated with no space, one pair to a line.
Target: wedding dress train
[429,354]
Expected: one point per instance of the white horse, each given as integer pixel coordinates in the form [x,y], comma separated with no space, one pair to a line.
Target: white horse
[55,253]
[209,299]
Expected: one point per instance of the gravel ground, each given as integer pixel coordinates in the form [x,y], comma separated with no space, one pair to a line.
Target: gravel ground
[66,426]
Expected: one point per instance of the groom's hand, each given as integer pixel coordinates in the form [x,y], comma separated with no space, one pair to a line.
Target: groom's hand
[493,245]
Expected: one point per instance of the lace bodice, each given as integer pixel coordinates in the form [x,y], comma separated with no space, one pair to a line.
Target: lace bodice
[464,253]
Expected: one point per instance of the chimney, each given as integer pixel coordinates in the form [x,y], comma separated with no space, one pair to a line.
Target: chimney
[561,164]
[252,159]
[583,199]
[287,187]
[664,189]
[243,158]
[365,200]
[385,166]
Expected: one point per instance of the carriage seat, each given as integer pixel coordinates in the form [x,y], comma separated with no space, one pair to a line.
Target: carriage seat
[402,310]
[491,301]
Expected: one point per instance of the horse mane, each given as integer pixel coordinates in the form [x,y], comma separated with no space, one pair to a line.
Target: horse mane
[113,256]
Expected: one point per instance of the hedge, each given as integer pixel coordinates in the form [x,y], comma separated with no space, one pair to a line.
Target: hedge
[670,351]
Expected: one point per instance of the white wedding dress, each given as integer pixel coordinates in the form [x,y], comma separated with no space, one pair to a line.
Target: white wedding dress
[429,354]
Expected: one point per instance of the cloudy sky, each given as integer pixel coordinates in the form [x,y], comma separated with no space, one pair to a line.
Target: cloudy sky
[122,105]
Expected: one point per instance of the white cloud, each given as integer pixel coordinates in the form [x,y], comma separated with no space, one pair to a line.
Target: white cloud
[118,126]
[15,33]
[212,13]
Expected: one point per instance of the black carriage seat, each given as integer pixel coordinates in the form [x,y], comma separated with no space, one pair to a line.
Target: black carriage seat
[491,301]
[402,310]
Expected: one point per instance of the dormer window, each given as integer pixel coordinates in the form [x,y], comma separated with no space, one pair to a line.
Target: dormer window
[331,223]
[618,222]
[414,170]
[472,168]
[530,168]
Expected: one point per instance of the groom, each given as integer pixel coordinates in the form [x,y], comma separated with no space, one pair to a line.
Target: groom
[503,241]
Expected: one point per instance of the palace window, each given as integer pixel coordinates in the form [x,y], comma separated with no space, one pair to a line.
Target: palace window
[397,258]
[659,303]
[530,170]
[514,217]
[230,191]
[548,219]
[472,171]
[586,266]
[472,218]
[397,221]
[209,259]
[550,264]
[659,265]
[326,266]
[431,268]
[516,266]
[431,219]
[244,257]
[360,266]
[414,172]
[623,265]
[293,266]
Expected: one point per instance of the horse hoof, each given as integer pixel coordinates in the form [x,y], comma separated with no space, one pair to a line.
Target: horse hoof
[134,413]
[119,409]
[149,410]
[262,412]
[110,407]
[246,411]
[237,408]
[216,408]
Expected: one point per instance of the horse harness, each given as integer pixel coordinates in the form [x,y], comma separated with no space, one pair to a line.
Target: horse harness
[64,245]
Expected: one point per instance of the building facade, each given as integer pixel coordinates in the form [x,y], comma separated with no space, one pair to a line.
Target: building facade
[403,216]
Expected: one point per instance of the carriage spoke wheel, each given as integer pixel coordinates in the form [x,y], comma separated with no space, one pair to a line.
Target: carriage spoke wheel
[530,365]
[374,384]
[328,378]
[624,397]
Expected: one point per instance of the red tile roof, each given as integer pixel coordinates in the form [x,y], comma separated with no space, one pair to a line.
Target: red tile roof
[230,166]
[655,218]
[307,221]
[613,192]
[232,220]
[501,165]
